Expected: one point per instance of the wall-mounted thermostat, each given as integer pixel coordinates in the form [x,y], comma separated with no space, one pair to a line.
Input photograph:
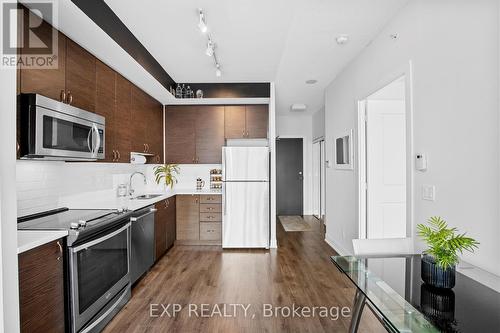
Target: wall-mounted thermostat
[421,162]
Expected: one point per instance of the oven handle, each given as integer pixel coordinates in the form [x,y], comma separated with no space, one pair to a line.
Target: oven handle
[100,240]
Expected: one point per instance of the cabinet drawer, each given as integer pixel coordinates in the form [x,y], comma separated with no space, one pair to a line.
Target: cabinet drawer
[210,208]
[210,231]
[208,199]
[210,217]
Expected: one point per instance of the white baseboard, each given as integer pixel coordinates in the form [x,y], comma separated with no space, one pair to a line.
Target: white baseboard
[274,244]
[336,246]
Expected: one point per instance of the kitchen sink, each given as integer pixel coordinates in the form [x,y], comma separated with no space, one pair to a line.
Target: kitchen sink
[147,196]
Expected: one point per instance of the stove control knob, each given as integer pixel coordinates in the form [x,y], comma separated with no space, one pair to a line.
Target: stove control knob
[74,225]
[82,223]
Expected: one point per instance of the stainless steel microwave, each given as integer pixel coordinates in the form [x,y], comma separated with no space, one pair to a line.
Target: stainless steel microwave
[53,130]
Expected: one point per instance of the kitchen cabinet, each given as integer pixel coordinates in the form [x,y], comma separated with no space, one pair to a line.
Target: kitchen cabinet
[257,119]
[180,134]
[194,134]
[154,132]
[250,121]
[188,225]
[165,221]
[199,219]
[41,289]
[122,120]
[235,121]
[80,77]
[105,106]
[209,134]
[46,82]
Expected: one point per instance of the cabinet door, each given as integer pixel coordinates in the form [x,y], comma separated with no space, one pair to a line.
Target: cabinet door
[160,229]
[180,134]
[122,119]
[139,113]
[257,120]
[46,82]
[171,220]
[209,134]
[41,289]
[234,122]
[188,222]
[154,133]
[80,77]
[105,105]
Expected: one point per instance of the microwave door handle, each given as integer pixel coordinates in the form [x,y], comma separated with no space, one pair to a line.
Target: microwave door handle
[97,141]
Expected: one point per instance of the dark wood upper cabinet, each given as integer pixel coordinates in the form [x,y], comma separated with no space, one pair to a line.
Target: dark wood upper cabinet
[139,112]
[180,137]
[41,289]
[122,120]
[105,106]
[234,121]
[80,77]
[209,134]
[47,82]
[257,119]
[154,132]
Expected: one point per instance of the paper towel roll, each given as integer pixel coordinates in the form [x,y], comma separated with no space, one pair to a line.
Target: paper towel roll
[137,159]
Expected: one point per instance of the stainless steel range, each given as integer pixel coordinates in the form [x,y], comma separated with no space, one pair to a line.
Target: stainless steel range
[98,262]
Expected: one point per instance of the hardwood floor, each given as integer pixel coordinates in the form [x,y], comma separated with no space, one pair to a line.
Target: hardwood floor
[298,272]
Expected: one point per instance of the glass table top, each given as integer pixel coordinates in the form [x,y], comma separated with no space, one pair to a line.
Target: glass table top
[392,285]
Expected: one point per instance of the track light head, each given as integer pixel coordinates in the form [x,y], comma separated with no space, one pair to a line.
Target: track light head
[202,24]
[218,72]
[210,48]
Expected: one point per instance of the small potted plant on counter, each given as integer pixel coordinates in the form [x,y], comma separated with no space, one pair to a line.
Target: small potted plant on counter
[168,173]
[441,257]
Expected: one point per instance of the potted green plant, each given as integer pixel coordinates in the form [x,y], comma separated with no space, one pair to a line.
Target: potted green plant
[168,173]
[444,245]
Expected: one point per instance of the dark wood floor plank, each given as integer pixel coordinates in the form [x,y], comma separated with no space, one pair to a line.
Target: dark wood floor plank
[298,272]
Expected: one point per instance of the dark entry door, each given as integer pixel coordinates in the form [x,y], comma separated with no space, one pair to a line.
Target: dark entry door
[289,176]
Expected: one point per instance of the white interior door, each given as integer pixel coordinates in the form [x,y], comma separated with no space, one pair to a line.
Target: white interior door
[316,179]
[386,168]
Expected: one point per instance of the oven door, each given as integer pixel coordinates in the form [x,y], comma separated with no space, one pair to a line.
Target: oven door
[99,270]
[63,135]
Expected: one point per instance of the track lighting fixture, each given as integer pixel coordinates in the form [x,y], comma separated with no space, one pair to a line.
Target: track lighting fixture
[210,48]
[218,72]
[202,24]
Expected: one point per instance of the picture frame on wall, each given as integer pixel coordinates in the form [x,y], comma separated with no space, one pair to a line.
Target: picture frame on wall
[344,155]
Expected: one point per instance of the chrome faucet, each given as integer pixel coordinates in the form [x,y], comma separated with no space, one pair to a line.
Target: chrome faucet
[130,190]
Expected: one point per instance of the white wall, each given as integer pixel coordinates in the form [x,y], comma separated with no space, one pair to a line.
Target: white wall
[42,185]
[318,124]
[300,126]
[9,293]
[453,46]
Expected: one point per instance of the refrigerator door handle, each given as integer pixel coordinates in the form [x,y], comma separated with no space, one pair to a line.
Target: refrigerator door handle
[224,195]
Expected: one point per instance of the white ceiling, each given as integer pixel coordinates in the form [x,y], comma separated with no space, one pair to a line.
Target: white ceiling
[285,41]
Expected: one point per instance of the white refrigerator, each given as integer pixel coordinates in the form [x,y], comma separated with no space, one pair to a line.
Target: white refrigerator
[245,197]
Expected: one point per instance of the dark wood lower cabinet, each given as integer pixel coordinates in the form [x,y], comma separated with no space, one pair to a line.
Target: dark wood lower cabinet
[164,226]
[41,289]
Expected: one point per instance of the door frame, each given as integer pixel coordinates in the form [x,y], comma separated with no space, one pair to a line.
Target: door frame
[322,174]
[303,164]
[361,149]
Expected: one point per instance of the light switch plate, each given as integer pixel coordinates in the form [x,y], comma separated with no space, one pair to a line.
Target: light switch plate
[429,192]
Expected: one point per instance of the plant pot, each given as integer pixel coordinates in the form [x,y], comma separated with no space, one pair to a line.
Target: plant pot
[434,275]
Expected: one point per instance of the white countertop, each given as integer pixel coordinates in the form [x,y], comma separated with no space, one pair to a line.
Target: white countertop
[29,239]
[109,200]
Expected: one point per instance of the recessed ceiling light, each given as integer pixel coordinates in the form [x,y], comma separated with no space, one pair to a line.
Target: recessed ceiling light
[202,24]
[342,39]
[312,81]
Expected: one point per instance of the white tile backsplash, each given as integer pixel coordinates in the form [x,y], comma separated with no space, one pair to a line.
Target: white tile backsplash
[42,184]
